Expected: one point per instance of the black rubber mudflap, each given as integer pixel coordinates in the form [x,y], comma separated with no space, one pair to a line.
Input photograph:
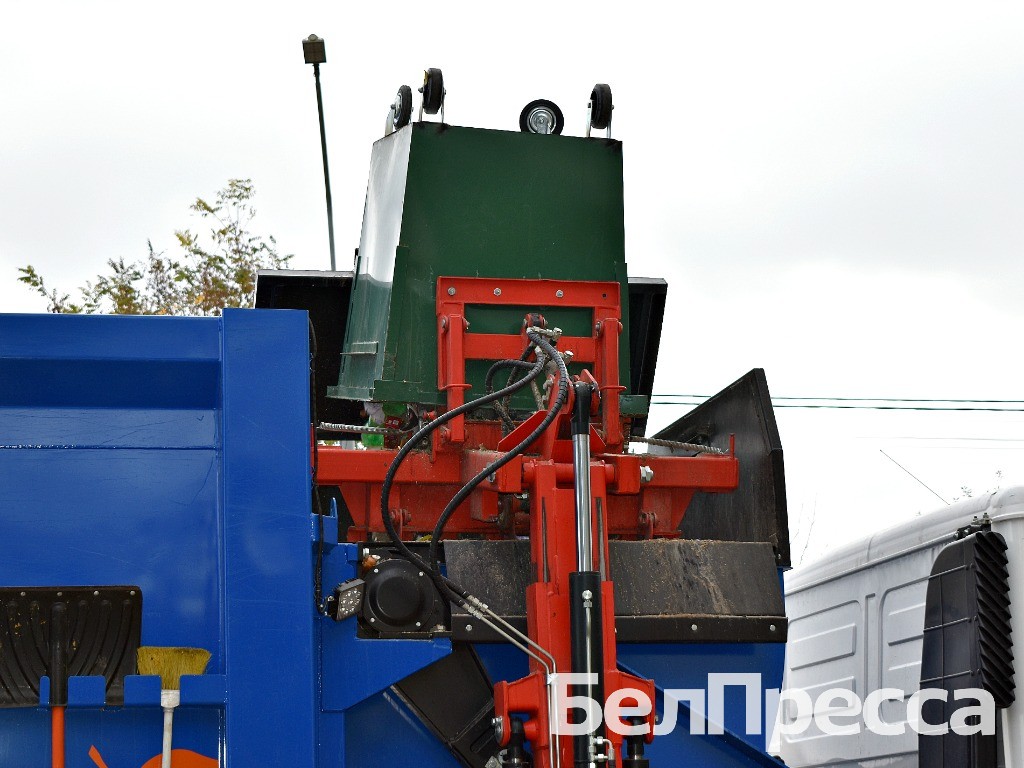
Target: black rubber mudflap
[99,631]
[454,698]
[967,644]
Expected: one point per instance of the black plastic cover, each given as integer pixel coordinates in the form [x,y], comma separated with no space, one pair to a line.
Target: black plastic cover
[454,698]
[756,511]
[646,313]
[325,295]
[97,629]
[967,644]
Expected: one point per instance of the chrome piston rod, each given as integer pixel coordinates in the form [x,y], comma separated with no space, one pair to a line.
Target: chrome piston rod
[585,583]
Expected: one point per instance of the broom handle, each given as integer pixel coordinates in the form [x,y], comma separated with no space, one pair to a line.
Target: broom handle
[165,758]
[169,699]
[57,737]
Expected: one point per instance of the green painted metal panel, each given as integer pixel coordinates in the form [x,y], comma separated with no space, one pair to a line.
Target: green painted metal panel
[445,200]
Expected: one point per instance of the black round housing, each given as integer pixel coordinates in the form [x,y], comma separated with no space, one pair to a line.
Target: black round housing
[400,598]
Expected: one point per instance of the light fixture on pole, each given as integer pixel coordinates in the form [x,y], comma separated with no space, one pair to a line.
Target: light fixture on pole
[314,52]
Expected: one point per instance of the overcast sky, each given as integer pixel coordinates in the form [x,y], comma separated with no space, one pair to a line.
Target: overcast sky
[833,190]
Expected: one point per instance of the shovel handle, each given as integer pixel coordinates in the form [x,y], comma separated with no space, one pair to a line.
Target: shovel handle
[57,737]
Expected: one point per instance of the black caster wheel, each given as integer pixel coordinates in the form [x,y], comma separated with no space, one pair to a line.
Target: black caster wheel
[541,116]
[601,106]
[432,90]
[402,107]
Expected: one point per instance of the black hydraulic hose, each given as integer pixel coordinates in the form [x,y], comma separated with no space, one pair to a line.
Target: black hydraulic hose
[494,466]
[443,584]
[521,363]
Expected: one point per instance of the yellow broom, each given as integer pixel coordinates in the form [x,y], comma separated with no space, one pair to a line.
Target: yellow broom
[170,664]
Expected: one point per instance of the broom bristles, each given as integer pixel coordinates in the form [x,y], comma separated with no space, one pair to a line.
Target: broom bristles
[171,663]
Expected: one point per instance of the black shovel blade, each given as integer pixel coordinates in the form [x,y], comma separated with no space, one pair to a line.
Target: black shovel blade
[66,631]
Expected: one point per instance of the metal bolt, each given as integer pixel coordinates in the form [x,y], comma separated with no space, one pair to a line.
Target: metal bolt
[693,627]
[646,474]
[372,619]
[597,327]
[132,593]
[59,594]
[421,573]
[451,291]
[22,594]
[418,624]
[376,570]
[771,627]
[587,594]
[469,627]
[96,593]
[492,477]
[559,294]
[497,291]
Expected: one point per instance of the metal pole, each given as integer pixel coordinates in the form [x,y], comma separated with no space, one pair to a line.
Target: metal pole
[327,175]
[581,469]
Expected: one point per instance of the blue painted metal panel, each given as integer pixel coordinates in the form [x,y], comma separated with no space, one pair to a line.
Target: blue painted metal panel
[687,667]
[268,563]
[169,453]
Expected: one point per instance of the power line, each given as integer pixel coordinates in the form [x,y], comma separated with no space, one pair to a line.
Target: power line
[865,399]
[866,407]
[864,404]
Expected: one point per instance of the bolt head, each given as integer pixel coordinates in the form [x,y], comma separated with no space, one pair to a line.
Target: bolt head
[559,294]
[451,291]
[469,627]
[587,594]
[497,291]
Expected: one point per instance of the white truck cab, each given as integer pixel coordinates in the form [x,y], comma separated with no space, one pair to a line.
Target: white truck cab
[929,600]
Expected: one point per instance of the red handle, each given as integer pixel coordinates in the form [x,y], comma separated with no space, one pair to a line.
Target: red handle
[57,736]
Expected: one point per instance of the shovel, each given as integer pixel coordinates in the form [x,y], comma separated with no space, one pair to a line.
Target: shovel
[61,632]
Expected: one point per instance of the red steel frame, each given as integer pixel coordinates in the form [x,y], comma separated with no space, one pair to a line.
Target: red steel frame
[628,507]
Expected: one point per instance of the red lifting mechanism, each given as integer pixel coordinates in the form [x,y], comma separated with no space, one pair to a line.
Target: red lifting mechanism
[582,489]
